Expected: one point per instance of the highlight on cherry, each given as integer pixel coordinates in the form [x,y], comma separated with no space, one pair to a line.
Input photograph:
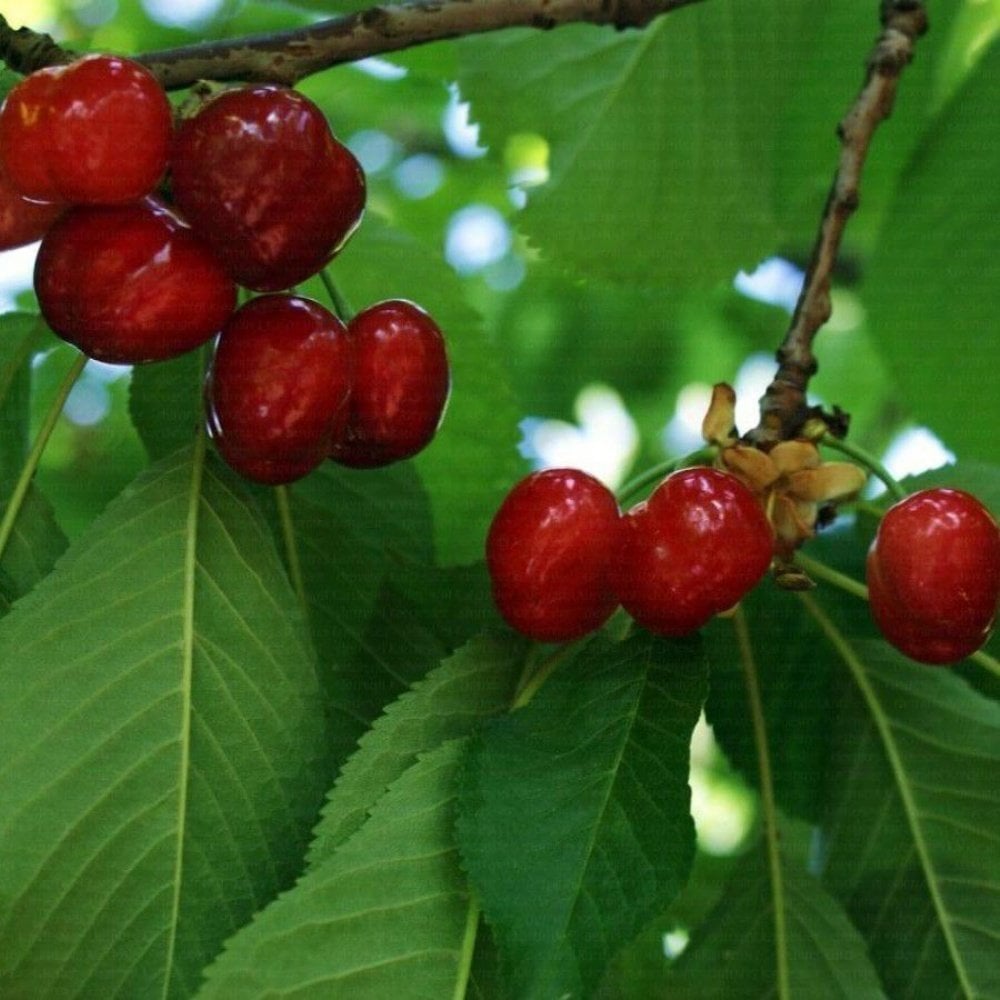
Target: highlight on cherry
[144,258]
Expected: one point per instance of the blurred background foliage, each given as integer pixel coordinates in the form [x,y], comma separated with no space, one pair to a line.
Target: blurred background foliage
[622,262]
[630,240]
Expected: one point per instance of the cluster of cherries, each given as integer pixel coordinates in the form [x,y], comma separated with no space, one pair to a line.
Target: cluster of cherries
[562,558]
[263,196]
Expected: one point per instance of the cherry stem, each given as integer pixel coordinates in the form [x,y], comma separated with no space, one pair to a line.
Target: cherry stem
[855,587]
[821,571]
[531,684]
[987,662]
[768,803]
[869,461]
[655,473]
[340,305]
[468,948]
[49,422]
[869,508]
[291,547]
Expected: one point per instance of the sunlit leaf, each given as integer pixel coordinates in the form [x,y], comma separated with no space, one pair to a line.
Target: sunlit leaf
[162,743]
[475,683]
[388,914]
[662,141]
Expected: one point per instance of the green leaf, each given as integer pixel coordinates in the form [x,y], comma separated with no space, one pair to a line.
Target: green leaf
[19,336]
[8,80]
[734,954]
[35,545]
[349,529]
[840,37]
[473,459]
[161,743]
[662,141]
[475,683]
[387,915]
[165,402]
[456,602]
[84,467]
[933,300]
[795,668]
[981,479]
[574,819]
[910,838]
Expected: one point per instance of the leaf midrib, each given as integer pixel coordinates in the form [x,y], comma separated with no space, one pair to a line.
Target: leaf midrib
[629,718]
[187,670]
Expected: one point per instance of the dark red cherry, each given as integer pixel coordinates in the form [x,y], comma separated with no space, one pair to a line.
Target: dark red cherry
[96,131]
[549,553]
[260,176]
[694,548]
[934,575]
[401,385]
[130,283]
[22,221]
[278,387]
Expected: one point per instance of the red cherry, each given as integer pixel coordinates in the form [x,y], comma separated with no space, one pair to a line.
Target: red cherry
[934,575]
[95,132]
[130,283]
[22,221]
[278,387]
[549,550]
[694,548]
[401,385]
[260,176]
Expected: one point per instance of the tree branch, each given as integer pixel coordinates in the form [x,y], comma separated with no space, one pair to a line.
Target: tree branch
[289,56]
[783,407]
[24,50]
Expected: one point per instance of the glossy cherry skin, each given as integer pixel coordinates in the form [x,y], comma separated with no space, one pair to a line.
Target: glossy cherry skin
[22,221]
[94,132]
[278,387]
[260,176]
[549,551]
[401,385]
[130,283]
[933,574]
[694,548]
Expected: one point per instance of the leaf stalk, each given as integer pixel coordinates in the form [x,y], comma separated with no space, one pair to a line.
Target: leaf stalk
[768,804]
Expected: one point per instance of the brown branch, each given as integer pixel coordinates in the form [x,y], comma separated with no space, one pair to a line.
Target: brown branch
[288,56]
[24,50]
[783,408]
